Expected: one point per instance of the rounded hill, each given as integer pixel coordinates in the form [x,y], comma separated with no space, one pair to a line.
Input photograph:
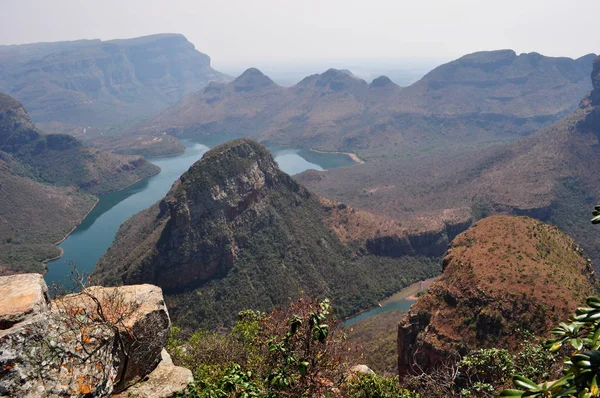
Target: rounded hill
[503,275]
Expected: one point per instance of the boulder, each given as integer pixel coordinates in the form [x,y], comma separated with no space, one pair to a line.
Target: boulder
[20,297]
[90,343]
[163,382]
[140,313]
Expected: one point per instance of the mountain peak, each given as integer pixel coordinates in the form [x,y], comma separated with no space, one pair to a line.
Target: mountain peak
[382,81]
[252,79]
[8,103]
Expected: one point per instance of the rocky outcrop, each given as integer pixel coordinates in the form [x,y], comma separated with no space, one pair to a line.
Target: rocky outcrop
[90,343]
[163,382]
[22,296]
[501,275]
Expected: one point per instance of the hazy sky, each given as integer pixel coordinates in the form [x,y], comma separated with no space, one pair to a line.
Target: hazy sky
[248,32]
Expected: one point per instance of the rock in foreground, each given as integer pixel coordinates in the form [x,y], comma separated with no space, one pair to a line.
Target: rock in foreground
[90,343]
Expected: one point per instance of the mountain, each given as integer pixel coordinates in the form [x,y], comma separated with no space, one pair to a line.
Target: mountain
[84,87]
[478,100]
[235,232]
[552,175]
[502,275]
[46,186]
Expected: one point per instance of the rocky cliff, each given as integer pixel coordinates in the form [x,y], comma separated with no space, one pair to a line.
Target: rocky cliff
[235,232]
[45,186]
[481,99]
[502,275]
[84,86]
[92,343]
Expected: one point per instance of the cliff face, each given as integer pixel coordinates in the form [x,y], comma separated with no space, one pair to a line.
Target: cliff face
[90,84]
[501,275]
[236,232]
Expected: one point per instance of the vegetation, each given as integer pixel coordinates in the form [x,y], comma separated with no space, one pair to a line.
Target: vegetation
[293,352]
[46,182]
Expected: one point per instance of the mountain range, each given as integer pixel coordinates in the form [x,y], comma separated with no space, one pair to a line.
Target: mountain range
[87,87]
[47,183]
[550,175]
[476,101]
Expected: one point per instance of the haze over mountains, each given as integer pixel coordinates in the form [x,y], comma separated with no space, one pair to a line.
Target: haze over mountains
[551,175]
[478,100]
[86,86]
[46,186]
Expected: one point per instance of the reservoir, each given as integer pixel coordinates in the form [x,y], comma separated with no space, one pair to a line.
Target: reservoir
[95,234]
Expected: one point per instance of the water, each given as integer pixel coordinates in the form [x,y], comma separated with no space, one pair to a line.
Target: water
[401,304]
[95,234]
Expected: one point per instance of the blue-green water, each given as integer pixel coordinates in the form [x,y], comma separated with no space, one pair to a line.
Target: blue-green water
[94,235]
[392,305]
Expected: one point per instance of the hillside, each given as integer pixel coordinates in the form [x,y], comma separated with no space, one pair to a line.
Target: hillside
[502,275]
[551,175]
[62,160]
[84,87]
[46,186]
[476,101]
[235,232]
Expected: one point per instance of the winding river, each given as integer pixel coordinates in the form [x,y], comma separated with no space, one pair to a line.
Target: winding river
[88,242]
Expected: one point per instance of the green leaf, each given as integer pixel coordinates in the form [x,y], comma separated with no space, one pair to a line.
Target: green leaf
[525,383]
[512,393]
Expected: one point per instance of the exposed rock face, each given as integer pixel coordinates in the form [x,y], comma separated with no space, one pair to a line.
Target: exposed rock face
[91,343]
[236,223]
[501,275]
[22,296]
[163,382]
[76,87]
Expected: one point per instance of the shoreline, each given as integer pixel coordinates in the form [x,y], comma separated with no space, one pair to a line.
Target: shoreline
[62,252]
[78,224]
[351,155]
[406,293]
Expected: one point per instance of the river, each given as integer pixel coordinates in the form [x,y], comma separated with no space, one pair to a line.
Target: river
[400,301]
[88,242]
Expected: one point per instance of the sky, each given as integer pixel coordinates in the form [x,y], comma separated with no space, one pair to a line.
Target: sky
[244,33]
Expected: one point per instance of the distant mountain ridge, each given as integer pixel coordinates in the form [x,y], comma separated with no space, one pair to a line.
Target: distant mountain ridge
[85,86]
[235,232]
[552,175]
[478,100]
[46,186]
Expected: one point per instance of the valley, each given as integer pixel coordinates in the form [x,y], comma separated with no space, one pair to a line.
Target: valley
[168,230]
[86,244]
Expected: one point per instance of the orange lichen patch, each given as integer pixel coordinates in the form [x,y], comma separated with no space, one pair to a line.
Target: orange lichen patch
[83,385]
